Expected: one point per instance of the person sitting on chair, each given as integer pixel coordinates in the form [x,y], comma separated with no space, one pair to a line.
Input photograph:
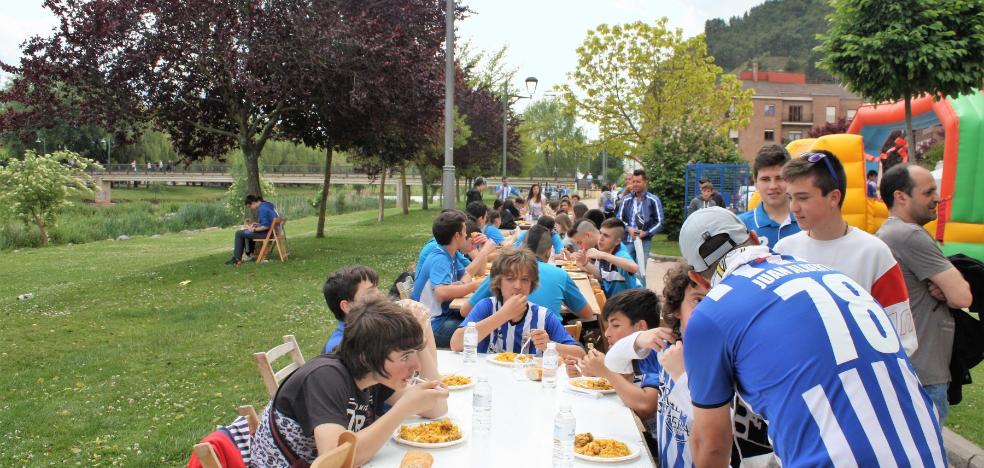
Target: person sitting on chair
[244,237]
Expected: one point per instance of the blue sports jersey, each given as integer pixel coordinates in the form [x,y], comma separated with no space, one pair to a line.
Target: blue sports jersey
[556,289]
[509,336]
[493,233]
[429,247]
[614,279]
[671,425]
[438,269]
[810,350]
[335,339]
[558,243]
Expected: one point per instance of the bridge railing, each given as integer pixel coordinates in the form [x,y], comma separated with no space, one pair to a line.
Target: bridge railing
[196,168]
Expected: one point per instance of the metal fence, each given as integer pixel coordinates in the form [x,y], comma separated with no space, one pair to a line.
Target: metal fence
[196,168]
[732,181]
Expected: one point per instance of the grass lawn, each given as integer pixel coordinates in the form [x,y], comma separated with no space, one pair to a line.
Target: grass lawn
[114,362]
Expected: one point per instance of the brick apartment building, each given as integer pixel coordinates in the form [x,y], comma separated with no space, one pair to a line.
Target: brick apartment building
[786,107]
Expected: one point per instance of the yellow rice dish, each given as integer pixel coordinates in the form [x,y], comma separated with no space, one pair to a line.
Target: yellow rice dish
[434,432]
[600,383]
[511,357]
[453,380]
[586,444]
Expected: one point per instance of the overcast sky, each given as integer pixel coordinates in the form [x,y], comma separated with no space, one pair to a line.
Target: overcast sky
[542,35]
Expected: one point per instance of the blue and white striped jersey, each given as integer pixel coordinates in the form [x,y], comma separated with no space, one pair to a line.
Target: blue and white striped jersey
[810,350]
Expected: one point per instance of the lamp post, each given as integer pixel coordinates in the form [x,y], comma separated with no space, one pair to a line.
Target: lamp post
[447,186]
[508,99]
[109,145]
[44,149]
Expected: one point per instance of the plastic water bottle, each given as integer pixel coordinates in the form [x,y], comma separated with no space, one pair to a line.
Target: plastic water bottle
[482,407]
[563,440]
[471,343]
[550,362]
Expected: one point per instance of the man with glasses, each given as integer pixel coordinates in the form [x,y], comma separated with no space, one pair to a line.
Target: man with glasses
[815,185]
[642,214]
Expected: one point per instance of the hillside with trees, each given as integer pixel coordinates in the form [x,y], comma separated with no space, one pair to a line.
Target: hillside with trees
[780,34]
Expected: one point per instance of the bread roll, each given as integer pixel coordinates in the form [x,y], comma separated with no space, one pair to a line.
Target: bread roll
[415,459]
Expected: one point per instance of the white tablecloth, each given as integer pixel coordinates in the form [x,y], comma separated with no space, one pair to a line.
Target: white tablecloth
[522,422]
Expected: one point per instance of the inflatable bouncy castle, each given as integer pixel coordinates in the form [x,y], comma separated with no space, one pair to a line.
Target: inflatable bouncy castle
[960,224]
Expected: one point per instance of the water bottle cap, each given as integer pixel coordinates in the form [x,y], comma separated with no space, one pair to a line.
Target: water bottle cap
[483,378]
[471,324]
[551,345]
[564,407]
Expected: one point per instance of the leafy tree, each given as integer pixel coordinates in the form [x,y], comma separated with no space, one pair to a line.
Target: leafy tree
[838,126]
[376,83]
[896,50]
[666,164]
[36,188]
[554,136]
[636,78]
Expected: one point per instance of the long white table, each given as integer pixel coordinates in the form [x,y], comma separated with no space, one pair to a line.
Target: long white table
[522,422]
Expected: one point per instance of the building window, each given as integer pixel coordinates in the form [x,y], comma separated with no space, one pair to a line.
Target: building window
[733,134]
[795,113]
[770,135]
[770,110]
[792,136]
[850,114]
[831,114]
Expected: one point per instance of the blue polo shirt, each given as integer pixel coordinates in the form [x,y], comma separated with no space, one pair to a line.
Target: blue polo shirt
[759,221]
[335,339]
[493,233]
[615,279]
[439,268]
[509,336]
[428,248]
[265,214]
[558,243]
[555,289]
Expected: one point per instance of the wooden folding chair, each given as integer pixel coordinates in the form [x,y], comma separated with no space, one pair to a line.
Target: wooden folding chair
[574,330]
[342,456]
[204,451]
[206,455]
[275,235]
[405,288]
[601,299]
[264,361]
[251,417]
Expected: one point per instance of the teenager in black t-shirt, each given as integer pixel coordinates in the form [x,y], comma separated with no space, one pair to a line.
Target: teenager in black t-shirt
[384,345]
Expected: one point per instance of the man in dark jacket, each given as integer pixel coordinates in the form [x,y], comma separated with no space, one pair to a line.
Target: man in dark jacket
[475,193]
[642,214]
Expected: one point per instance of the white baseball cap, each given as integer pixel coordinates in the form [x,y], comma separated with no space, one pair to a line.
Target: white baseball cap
[700,237]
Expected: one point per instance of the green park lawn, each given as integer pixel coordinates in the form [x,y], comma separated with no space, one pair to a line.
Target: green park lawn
[114,362]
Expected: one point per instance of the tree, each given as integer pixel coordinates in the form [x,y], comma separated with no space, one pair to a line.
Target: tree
[666,164]
[636,78]
[36,188]
[554,136]
[839,126]
[896,50]
[375,80]
[213,75]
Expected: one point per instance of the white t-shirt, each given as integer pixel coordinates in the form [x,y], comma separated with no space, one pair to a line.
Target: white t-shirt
[867,260]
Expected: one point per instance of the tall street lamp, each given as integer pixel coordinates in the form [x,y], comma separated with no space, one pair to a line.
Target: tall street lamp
[508,99]
[44,149]
[447,186]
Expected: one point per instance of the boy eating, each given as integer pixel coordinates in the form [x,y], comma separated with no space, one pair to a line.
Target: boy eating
[602,255]
[503,318]
[341,290]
